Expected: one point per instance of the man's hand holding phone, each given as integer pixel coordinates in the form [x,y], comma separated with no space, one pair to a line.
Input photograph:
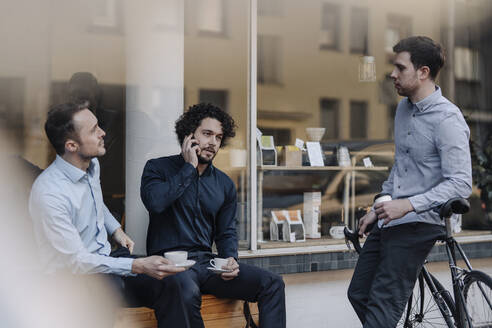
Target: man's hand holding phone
[190,150]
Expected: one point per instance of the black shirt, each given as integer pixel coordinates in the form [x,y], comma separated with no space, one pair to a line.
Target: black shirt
[188,211]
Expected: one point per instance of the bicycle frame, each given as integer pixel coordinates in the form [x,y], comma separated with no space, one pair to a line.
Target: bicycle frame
[462,315]
[445,311]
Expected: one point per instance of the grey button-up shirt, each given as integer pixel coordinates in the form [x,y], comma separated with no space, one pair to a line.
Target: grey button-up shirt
[432,157]
[71,222]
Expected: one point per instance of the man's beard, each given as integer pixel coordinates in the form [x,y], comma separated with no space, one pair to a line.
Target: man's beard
[203,160]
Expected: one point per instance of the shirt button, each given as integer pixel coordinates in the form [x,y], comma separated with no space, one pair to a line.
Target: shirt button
[398,187]
[408,132]
[405,170]
[413,115]
[408,151]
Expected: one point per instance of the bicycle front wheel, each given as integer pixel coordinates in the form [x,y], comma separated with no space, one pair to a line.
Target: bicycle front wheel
[422,310]
[478,298]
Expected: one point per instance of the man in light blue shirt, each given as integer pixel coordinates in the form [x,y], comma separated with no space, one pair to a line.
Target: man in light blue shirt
[71,223]
[432,165]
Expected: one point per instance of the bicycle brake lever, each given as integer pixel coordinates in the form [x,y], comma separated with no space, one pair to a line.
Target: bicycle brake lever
[347,242]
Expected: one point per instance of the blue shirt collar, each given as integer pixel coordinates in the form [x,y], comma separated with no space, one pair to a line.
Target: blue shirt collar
[72,172]
[428,101]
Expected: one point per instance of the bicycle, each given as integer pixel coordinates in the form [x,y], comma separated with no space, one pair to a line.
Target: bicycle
[430,304]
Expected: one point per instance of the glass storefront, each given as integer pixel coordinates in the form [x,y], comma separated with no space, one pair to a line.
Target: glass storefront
[312,81]
[310,58]
[141,64]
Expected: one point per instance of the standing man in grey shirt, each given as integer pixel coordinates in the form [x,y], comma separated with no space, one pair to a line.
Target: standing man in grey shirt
[71,223]
[432,164]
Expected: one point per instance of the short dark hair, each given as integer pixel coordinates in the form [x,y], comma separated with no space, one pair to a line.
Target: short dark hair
[192,118]
[59,125]
[423,52]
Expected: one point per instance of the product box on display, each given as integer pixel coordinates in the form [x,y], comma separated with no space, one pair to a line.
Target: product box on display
[294,228]
[312,204]
[277,225]
[291,156]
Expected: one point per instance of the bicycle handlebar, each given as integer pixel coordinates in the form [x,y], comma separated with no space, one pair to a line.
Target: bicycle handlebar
[456,205]
[352,236]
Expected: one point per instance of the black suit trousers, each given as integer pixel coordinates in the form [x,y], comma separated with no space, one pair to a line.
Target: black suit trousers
[387,269]
[163,296]
[253,285]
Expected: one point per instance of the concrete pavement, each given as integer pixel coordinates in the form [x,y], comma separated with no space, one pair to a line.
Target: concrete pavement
[319,299]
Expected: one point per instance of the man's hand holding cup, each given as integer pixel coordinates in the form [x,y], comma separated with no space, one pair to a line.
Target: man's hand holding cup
[229,264]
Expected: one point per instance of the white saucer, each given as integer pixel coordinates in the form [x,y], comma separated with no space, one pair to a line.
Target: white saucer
[218,271]
[186,264]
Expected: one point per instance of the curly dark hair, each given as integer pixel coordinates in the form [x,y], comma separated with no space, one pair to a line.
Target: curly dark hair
[192,118]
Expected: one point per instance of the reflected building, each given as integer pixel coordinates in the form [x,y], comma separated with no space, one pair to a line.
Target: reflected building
[154,59]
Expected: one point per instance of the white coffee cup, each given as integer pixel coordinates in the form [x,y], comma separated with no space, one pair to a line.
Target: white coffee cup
[337,231]
[176,256]
[219,263]
[383,198]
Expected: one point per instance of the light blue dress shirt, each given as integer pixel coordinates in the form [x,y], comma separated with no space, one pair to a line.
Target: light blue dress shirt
[432,157]
[71,222]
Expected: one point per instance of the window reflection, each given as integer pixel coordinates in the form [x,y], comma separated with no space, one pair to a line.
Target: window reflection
[359,31]
[307,77]
[329,37]
[271,8]
[329,117]
[321,89]
[215,71]
[211,17]
[358,119]
[269,59]
[398,27]
[218,98]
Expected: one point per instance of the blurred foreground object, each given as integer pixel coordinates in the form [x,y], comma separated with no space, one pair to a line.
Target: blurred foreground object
[29,298]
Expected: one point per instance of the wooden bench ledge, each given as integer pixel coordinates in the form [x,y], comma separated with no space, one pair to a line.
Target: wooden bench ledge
[216,313]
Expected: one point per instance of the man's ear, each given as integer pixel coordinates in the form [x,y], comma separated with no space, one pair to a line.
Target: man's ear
[424,72]
[71,146]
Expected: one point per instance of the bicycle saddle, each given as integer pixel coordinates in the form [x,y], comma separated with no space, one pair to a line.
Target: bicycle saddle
[455,205]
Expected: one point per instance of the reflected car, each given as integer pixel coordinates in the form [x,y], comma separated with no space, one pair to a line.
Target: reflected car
[284,189]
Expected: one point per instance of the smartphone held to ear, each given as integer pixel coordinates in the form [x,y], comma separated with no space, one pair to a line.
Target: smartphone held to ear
[194,142]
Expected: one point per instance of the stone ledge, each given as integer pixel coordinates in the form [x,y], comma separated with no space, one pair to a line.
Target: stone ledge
[334,257]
